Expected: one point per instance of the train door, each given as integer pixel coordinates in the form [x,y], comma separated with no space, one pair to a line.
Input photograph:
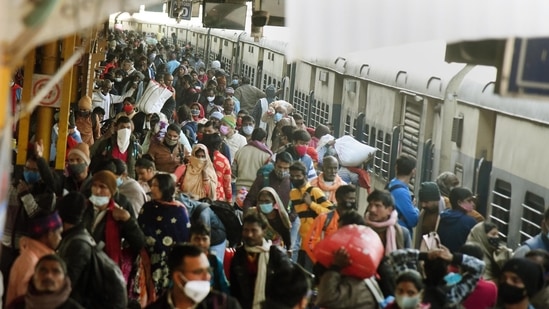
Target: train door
[483,158]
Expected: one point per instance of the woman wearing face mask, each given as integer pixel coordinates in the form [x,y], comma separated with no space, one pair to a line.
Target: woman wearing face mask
[270,207]
[408,291]
[486,236]
[200,179]
[112,223]
[197,113]
[161,234]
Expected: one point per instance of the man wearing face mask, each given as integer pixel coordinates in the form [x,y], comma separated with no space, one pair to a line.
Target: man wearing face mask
[520,280]
[168,153]
[247,126]
[122,145]
[87,122]
[102,98]
[308,202]
[190,272]
[327,223]
[78,169]
[298,150]
[232,138]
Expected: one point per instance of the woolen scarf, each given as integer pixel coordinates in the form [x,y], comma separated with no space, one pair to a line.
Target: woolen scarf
[259,145]
[35,299]
[112,235]
[328,188]
[261,279]
[389,227]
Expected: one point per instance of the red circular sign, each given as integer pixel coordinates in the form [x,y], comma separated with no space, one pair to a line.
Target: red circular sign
[52,97]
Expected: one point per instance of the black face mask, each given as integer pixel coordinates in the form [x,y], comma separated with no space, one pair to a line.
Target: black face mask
[298,183]
[494,241]
[509,294]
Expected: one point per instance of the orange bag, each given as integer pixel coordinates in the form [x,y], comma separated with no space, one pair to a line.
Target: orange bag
[363,245]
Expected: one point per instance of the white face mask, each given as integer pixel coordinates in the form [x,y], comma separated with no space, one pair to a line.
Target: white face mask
[123,139]
[405,302]
[196,290]
[12,83]
[99,200]
[210,99]
[118,79]
[247,130]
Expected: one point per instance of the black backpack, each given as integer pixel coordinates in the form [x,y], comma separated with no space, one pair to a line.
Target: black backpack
[227,214]
[105,280]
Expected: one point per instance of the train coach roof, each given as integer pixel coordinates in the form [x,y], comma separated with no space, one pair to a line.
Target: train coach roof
[478,87]
[417,67]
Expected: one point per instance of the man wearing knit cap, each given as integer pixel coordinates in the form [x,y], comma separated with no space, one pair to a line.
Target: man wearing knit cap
[44,236]
[232,138]
[109,221]
[520,280]
[429,200]
[78,164]
[87,122]
[216,118]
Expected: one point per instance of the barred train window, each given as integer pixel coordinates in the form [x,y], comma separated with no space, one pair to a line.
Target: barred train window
[501,205]
[532,214]
[347,128]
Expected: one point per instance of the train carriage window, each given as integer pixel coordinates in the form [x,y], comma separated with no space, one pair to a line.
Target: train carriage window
[501,206]
[365,134]
[386,159]
[378,155]
[532,213]
[347,128]
[372,141]
[301,102]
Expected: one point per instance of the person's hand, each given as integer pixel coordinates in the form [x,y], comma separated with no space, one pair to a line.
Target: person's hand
[445,254]
[39,148]
[307,198]
[120,214]
[22,187]
[342,258]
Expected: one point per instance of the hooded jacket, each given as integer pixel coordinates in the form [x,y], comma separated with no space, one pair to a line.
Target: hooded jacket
[454,227]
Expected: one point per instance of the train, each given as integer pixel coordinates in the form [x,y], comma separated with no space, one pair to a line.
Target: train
[403,100]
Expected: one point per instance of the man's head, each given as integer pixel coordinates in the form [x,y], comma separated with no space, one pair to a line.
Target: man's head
[330,166]
[405,166]
[79,160]
[346,198]
[172,135]
[190,272]
[380,206]
[288,286]
[144,169]
[200,236]
[298,174]
[301,141]
[124,123]
[85,104]
[168,80]
[540,257]
[228,106]
[71,208]
[106,86]
[299,121]
[227,125]
[282,165]
[446,182]
[50,274]
[253,229]
[47,229]
[429,196]
[520,278]
[215,119]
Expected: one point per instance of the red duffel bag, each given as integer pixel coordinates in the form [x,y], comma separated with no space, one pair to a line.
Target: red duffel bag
[362,244]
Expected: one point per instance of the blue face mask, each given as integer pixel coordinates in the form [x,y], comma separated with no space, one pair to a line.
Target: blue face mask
[31,177]
[452,279]
[277,117]
[119,181]
[266,208]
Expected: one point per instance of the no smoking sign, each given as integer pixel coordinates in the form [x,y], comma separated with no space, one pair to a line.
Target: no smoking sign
[53,98]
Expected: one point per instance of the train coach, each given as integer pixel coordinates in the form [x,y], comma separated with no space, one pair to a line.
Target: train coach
[408,100]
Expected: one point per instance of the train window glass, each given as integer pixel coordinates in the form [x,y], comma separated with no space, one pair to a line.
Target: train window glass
[532,212]
[386,158]
[347,128]
[378,154]
[372,136]
[501,206]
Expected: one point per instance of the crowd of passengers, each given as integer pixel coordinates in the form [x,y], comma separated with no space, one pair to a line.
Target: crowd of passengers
[133,181]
